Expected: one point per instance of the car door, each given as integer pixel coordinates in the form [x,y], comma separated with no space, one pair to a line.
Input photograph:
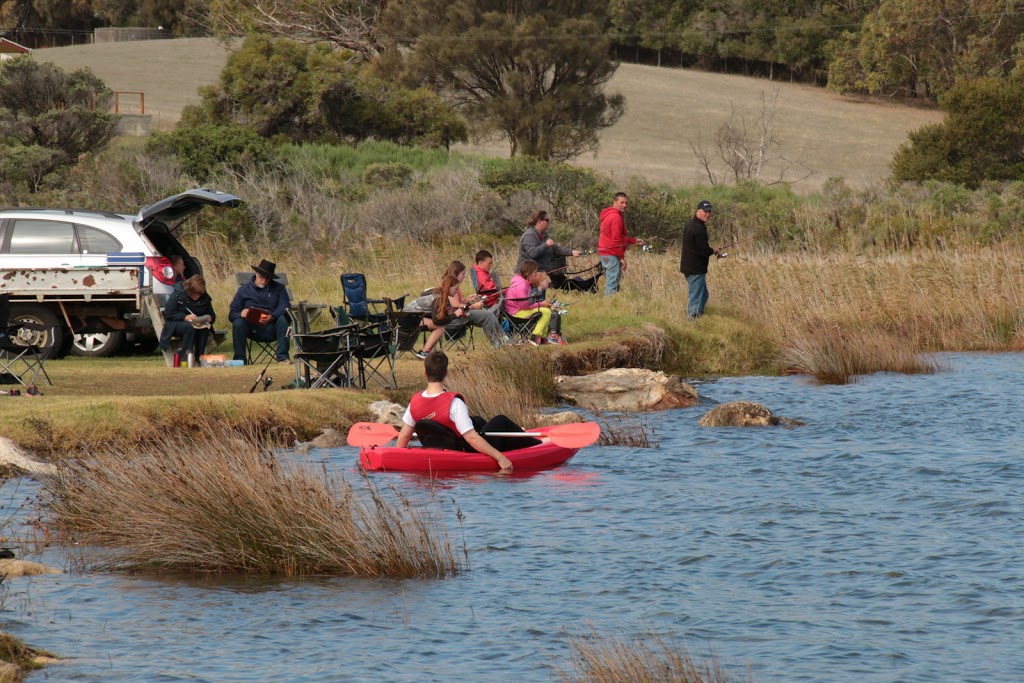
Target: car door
[40,243]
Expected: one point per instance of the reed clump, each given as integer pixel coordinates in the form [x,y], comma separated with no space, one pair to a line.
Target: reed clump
[232,504]
[514,382]
[651,659]
[833,355]
[626,429]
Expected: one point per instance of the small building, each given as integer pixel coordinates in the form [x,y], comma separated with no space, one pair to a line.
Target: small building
[10,49]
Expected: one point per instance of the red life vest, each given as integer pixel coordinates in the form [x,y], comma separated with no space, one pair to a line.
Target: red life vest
[436,408]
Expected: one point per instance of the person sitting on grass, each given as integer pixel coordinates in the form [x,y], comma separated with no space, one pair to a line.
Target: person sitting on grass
[258,311]
[441,420]
[521,301]
[189,314]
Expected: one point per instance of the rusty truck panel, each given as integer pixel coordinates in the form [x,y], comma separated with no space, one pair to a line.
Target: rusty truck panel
[73,284]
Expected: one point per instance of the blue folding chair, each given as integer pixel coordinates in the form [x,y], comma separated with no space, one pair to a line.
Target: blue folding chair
[360,306]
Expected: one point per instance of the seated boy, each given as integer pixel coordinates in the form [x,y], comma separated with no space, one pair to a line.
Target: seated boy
[441,419]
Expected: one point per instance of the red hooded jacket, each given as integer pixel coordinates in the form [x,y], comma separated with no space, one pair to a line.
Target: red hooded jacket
[613,240]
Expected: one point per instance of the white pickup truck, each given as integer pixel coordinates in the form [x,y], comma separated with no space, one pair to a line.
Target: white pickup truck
[84,275]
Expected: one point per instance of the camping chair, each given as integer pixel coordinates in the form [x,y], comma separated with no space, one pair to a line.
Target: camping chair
[458,338]
[21,361]
[324,359]
[260,351]
[585,280]
[374,350]
[360,307]
[407,325]
[519,329]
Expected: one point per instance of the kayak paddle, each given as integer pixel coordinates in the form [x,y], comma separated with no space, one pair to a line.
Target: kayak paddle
[567,436]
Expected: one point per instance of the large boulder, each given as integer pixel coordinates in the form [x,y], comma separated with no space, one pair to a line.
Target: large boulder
[388,413]
[626,389]
[13,458]
[744,414]
[12,568]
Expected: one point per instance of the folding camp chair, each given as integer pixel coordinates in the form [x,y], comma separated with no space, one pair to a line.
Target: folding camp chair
[23,362]
[406,325]
[519,329]
[262,351]
[458,337]
[374,351]
[324,359]
[360,307]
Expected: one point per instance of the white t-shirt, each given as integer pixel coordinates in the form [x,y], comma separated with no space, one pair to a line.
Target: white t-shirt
[458,412]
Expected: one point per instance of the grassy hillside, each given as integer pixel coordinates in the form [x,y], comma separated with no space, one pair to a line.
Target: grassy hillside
[831,135]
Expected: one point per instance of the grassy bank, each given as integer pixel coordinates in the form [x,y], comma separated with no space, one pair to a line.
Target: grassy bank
[768,314]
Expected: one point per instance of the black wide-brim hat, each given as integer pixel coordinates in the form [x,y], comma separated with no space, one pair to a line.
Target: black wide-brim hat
[266,269]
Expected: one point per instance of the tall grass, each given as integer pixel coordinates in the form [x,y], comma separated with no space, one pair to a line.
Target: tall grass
[653,659]
[514,382]
[233,505]
[855,313]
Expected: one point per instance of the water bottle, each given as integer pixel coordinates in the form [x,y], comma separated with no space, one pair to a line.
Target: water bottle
[177,360]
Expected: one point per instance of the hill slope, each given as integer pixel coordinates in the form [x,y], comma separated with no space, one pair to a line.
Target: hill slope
[665,108]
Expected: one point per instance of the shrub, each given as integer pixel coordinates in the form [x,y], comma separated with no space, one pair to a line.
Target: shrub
[388,175]
[203,150]
[234,505]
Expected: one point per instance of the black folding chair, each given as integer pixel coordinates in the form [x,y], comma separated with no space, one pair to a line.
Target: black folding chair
[374,351]
[407,326]
[324,359]
[458,337]
[21,361]
[520,329]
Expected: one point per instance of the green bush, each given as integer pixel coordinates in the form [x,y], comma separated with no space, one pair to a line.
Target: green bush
[203,150]
[388,176]
[347,163]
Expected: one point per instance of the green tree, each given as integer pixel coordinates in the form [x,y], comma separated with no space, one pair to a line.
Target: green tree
[982,137]
[278,87]
[531,71]
[923,48]
[42,106]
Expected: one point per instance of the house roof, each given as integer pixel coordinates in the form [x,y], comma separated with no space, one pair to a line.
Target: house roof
[11,46]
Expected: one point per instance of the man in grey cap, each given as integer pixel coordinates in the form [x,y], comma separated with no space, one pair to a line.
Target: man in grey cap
[694,262]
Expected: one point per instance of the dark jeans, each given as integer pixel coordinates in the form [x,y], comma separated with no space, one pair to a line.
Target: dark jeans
[241,330]
[434,435]
[191,339]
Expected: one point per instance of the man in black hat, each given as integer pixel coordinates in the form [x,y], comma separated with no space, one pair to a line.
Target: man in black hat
[258,311]
[694,262]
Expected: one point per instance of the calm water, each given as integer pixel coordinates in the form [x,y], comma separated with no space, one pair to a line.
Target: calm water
[882,542]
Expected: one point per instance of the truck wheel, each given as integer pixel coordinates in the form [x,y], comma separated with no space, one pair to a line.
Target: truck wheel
[97,344]
[50,338]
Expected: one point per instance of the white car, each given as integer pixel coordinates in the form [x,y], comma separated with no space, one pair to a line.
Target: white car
[74,240]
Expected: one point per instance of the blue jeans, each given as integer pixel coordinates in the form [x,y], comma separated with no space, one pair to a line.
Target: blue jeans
[613,273]
[277,330]
[698,287]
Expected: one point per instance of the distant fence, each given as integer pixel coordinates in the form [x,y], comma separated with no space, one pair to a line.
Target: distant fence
[121,35]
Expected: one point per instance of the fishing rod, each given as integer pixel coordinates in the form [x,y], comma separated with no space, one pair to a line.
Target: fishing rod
[263,379]
[722,254]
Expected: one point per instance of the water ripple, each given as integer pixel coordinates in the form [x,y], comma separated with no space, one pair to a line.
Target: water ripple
[881,542]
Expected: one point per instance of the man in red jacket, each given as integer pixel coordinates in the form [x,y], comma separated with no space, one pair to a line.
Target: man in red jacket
[611,246]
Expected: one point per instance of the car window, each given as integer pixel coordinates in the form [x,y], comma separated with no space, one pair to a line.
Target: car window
[42,237]
[95,241]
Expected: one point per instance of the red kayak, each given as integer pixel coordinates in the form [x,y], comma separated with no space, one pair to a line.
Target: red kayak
[417,459]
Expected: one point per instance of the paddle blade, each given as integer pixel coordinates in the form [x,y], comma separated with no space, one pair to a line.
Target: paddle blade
[574,435]
[370,434]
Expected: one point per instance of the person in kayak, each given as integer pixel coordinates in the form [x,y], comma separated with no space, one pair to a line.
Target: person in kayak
[441,420]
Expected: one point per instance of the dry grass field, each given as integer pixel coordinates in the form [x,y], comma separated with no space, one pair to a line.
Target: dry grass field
[665,108]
